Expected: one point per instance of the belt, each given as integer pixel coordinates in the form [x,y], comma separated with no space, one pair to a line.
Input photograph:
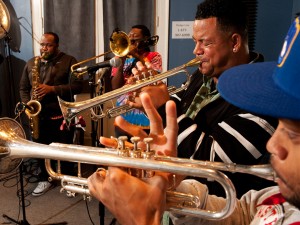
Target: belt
[56,117]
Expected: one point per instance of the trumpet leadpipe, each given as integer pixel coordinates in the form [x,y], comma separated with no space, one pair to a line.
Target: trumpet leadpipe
[263,170]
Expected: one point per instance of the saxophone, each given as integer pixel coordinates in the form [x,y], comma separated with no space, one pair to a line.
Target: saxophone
[34,104]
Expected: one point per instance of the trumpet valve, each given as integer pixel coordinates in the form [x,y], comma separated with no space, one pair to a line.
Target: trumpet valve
[148,154]
[135,141]
[122,150]
[147,141]
[135,153]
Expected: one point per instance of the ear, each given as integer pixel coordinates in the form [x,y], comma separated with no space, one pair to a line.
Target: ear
[236,42]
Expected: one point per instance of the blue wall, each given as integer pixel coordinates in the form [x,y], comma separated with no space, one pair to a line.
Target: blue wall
[20,49]
[181,50]
[21,24]
[273,20]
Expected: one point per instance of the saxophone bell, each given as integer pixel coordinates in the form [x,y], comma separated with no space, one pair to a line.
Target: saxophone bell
[33,108]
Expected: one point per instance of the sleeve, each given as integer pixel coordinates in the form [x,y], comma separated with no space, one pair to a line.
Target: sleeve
[240,138]
[113,71]
[242,214]
[73,85]
[232,135]
[156,62]
[25,85]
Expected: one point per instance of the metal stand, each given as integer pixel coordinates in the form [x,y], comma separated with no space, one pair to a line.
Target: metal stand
[7,40]
[94,126]
[24,221]
[12,88]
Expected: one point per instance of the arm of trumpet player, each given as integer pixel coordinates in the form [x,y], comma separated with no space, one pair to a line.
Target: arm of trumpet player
[243,214]
[164,139]
[117,77]
[158,93]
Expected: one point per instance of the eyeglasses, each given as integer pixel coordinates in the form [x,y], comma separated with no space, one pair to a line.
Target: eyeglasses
[48,45]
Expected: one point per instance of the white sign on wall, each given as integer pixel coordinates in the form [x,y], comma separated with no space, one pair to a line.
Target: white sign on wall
[182,29]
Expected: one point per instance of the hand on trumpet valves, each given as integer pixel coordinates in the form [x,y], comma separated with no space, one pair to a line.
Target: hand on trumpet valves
[157,91]
[164,138]
[112,187]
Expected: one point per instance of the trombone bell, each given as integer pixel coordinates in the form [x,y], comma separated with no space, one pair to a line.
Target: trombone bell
[119,43]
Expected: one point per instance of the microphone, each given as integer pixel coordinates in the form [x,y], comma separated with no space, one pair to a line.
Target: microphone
[114,62]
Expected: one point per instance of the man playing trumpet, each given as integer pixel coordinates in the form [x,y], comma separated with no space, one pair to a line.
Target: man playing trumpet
[210,128]
[265,88]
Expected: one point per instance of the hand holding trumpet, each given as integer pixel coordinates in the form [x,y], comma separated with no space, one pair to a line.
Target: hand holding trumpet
[115,188]
[158,92]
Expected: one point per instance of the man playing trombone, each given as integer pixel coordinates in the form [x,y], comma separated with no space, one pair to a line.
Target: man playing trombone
[266,88]
[139,50]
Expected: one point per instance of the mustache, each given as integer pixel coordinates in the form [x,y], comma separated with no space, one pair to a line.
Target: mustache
[278,174]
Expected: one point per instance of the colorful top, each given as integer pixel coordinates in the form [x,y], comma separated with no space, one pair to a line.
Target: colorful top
[263,207]
[137,116]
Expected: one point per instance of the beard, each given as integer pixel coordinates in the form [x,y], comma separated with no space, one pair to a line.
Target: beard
[293,199]
[48,56]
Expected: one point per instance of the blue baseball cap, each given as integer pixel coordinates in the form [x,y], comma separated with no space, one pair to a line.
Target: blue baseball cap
[268,88]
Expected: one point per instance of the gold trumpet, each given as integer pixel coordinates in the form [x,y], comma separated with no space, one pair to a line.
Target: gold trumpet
[71,109]
[13,145]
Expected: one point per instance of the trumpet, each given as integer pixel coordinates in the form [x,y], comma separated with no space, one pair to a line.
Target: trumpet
[14,146]
[71,109]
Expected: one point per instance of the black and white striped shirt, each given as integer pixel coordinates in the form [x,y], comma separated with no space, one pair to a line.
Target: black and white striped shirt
[224,133]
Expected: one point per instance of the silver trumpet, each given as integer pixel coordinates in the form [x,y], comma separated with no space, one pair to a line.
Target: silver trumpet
[145,163]
[71,109]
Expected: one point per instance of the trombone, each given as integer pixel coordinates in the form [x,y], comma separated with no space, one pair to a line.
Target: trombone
[119,44]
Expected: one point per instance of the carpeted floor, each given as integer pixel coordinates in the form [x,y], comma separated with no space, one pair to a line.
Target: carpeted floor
[51,208]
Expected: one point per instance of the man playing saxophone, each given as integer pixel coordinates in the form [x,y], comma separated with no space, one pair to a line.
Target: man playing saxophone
[44,78]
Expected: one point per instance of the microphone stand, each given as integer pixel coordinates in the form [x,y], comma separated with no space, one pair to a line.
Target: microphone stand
[7,40]
[11,82]
[24,221]
[94,125]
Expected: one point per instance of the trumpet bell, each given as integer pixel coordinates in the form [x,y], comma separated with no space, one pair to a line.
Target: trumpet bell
[119,43]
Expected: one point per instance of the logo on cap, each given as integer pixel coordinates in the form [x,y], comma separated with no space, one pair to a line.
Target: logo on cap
[288,42]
